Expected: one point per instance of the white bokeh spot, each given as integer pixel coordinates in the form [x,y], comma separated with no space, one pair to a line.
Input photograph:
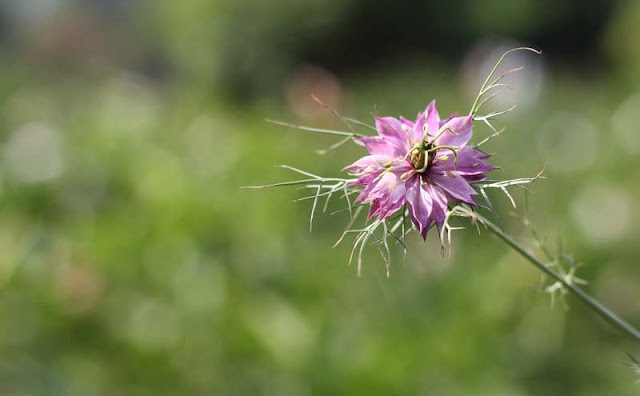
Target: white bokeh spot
[34,153]
[602,213]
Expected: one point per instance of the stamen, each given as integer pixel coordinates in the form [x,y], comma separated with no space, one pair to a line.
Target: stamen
[442,131]
[453,150]
[390,169]
[410,152]
[407,175]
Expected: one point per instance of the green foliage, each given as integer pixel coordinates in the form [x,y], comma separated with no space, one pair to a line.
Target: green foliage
[133,263]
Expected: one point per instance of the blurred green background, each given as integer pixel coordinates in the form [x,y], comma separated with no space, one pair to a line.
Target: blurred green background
[132,263]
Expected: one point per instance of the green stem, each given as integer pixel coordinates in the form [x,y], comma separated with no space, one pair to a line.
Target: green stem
[487,81]
[604,312]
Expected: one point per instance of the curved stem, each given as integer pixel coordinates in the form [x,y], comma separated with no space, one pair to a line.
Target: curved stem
[487,82]
[604,312]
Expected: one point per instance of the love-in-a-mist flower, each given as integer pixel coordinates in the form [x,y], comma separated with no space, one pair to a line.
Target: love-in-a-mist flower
[424,164]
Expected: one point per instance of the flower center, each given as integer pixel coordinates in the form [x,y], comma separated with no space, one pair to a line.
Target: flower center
[421,157]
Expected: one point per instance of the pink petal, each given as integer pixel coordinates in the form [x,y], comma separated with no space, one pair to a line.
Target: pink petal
[388,195]
[369,161]
[408,124]
[470,162]
[431,118]
[420,205]
[462,128]
[457,186]
[440,203]
[380,145]
[442,122]
[391,129]
[417,131]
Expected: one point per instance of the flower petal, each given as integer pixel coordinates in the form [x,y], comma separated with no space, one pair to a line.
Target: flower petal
[461,127]
[432,118]
[455,185]
[416,133]
[389,127]
[392,130]
[388,194]
[420,205]
[440,203]
[408,124]
[442,122]
[429,117]
[380,145]
[368,181]
[470,162]
[369,162]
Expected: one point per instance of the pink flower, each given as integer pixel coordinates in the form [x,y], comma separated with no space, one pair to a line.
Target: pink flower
[425,165]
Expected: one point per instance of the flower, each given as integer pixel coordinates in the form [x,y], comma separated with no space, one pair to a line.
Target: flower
[425,165]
